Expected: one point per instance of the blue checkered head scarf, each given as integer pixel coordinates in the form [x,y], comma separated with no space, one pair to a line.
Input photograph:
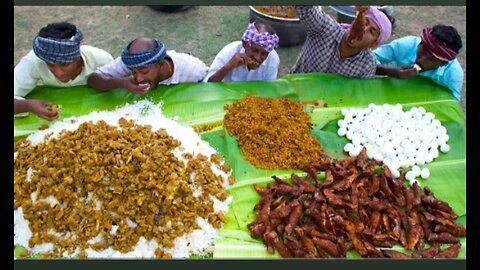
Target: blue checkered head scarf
[144,58]
[58,50]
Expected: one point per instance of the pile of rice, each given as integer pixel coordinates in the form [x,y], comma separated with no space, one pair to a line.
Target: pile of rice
[184,180]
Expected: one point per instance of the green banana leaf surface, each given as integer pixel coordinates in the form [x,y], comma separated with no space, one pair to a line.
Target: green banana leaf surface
[197,104]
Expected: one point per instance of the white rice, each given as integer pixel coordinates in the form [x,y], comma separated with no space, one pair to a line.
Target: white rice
[30,172]
[21,231]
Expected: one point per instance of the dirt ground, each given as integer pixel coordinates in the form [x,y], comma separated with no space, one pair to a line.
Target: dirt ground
[202,30]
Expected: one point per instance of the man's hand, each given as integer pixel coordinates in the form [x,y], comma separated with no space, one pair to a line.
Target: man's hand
[131,85]
[239,59]
[361,9]
[399,73]
[406,72]
[105,83]
[358,26]
[44,109]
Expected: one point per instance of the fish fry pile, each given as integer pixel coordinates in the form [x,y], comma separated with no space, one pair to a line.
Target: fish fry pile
[358,206]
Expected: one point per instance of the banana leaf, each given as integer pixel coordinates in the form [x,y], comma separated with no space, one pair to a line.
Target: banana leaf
[239,244]
[203,103]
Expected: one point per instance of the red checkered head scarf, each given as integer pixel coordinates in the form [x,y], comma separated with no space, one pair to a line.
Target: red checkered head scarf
[437,47]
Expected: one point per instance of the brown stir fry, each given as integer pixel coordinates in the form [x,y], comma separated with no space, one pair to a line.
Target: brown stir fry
[273,133]
[278,11]
[354,207]
[103,176]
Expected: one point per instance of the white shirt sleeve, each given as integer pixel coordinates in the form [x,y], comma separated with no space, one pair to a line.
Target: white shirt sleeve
[221,59]
[114,69]
[187,68]
[25,78]
[272,71]
[196,70]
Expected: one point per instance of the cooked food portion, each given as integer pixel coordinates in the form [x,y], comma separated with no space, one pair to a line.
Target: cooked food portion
[252,62]
[273,133]
[56,107]
[358,205]
[278,11]
[128,183]
[358,26]
[417,68]
[402,140]
[53,107]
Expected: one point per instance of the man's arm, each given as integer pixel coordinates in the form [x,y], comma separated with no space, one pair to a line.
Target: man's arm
[220,74]
[386,71]
[115,75]
[20,106]
[104,83]
[315,21]
[239,59]
[399,73]
[399,52]
[43,109]
[225,61]
[109,76]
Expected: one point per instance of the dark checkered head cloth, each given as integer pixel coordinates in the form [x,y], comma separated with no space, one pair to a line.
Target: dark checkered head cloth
[58,50]
[264,39]
[144,58]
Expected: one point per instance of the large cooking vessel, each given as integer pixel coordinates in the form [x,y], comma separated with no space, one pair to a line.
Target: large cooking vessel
[346,14]
[289,30]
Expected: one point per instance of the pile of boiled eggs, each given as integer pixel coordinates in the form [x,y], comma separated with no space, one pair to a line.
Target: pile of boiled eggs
[400,139]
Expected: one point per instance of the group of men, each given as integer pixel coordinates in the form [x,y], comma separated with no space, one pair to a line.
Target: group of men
[357,50]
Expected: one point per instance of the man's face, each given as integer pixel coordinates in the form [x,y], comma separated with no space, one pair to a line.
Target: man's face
[426,60]
[148,74]
[256,53]
[66,72]
[371,32]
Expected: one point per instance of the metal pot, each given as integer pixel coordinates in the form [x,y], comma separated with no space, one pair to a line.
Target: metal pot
[170,8]
[289,30]
[346,14]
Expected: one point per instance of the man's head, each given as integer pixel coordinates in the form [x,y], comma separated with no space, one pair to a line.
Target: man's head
[259,40]
[439,45]
[58,44]
[145,58]
[376,31]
